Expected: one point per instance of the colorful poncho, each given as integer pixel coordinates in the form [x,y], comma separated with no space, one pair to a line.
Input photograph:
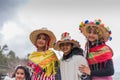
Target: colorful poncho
[99,54]
[43,65]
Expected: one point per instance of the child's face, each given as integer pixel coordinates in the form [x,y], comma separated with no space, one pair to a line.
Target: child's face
[66,48]
[92,35]
[41,41]
[20,74]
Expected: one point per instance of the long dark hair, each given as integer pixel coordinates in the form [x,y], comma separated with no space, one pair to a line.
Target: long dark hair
[26,71]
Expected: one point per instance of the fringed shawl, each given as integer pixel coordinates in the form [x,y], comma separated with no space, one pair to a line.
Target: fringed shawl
[99,54]
[43,65]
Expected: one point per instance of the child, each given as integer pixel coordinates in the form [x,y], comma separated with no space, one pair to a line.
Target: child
[99,55]
[43,62]
[72,58]
[21,73]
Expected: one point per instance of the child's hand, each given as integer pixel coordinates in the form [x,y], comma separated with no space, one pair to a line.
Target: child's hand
[85,69]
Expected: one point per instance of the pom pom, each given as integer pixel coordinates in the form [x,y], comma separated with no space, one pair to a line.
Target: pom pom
[102,25]
[108,28]
[110,32]
[82,24]
[110,38]
[86,21]
[91,22]
[98,23]
[99,20]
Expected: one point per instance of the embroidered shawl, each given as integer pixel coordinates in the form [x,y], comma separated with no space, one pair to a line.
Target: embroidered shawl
[43,65]
[98,54]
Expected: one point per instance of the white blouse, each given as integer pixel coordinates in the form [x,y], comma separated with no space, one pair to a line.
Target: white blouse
[70,67]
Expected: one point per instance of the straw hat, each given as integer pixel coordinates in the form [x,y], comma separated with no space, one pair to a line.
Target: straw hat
[103,31]
[66,38]
[34,34]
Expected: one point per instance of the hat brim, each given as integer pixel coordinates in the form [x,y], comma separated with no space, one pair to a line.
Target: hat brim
[34,34]
[105,33]
[57,45]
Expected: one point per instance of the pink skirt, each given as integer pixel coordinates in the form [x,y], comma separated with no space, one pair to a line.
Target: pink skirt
[103,78]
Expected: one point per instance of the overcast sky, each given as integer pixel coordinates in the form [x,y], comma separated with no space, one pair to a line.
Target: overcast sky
[19,17]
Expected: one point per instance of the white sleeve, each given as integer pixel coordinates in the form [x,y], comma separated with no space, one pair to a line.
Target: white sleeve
[80,60]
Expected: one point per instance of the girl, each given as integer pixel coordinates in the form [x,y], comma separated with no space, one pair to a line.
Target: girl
[99,55]
[72,58]
[43,62]
[21,73]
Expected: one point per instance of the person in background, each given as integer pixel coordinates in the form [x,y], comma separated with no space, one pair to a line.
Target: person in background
[99,54]
[72,58]
[20,73]
[43,62]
